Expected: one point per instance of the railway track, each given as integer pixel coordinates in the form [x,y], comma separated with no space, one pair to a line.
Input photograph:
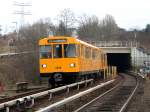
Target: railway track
[22,94]
[69,104]
[114,100]
[66,95]
[34,101]
[107,99]
[18,101]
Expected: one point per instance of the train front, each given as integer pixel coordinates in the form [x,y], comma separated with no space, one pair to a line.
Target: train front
[59,59]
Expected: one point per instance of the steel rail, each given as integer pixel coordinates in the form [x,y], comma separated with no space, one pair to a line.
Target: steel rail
[123,107]
[69,99]
[82,107]
[130,97]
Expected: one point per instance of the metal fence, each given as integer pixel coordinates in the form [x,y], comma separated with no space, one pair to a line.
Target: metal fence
[114,43]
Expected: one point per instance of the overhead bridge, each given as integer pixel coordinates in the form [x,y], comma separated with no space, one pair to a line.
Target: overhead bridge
[123,54]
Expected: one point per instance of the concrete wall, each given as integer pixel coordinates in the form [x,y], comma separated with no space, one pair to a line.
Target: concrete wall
[138,57]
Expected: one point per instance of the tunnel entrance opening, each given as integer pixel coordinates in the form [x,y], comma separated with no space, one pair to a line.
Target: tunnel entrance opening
[121,60]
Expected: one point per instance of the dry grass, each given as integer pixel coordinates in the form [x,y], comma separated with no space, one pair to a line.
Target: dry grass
[4,48]
[9,74]
[18,69]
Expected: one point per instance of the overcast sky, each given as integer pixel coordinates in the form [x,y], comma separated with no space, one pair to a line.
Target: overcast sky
[127,13]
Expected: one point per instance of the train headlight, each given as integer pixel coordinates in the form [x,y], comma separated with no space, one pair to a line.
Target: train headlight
[72,65]
[44,65]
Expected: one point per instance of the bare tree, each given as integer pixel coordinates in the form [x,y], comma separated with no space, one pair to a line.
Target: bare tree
[66,20]
[89,27]
[109,27]
[61,30]
[147,29]
[29,36]
[94,29]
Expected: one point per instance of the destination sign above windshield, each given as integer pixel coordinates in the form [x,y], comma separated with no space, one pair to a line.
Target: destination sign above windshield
[56,40]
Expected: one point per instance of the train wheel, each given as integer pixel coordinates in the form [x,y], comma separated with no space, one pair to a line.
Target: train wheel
[102,75]
[96,76]
[51,82]
[82,78]
[58,77]
[79,78]
[99,75]
[71,78]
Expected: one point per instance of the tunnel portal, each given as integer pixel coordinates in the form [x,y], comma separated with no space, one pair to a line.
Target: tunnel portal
[121,60]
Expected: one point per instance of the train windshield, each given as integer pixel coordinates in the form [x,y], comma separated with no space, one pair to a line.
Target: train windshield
[69,50]
[57,51]
[45,51]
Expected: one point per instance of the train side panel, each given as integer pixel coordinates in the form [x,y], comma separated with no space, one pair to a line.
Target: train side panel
[89,63]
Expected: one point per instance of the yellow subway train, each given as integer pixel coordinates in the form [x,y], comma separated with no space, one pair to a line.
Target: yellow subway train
[67,59]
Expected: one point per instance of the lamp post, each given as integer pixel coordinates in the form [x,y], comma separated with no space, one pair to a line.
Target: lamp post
[0,29]
[135,55]
[16,29]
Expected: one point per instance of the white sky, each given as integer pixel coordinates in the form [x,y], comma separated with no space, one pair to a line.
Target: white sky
[127,13]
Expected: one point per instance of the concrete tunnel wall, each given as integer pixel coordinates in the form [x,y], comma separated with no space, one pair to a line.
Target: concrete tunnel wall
[121,60]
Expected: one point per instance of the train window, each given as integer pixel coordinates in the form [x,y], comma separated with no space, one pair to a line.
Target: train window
[82,50]
[94,54]
[45,51]
[102,57]
[87,52]
[57,51]
[78,50]
[69,50]
[105,61]
[99,54]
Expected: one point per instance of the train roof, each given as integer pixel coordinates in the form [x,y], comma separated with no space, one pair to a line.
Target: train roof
[71,39]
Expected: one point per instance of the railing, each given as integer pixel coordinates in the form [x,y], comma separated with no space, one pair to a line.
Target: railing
[32,98]
[76,96]
[114,43]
